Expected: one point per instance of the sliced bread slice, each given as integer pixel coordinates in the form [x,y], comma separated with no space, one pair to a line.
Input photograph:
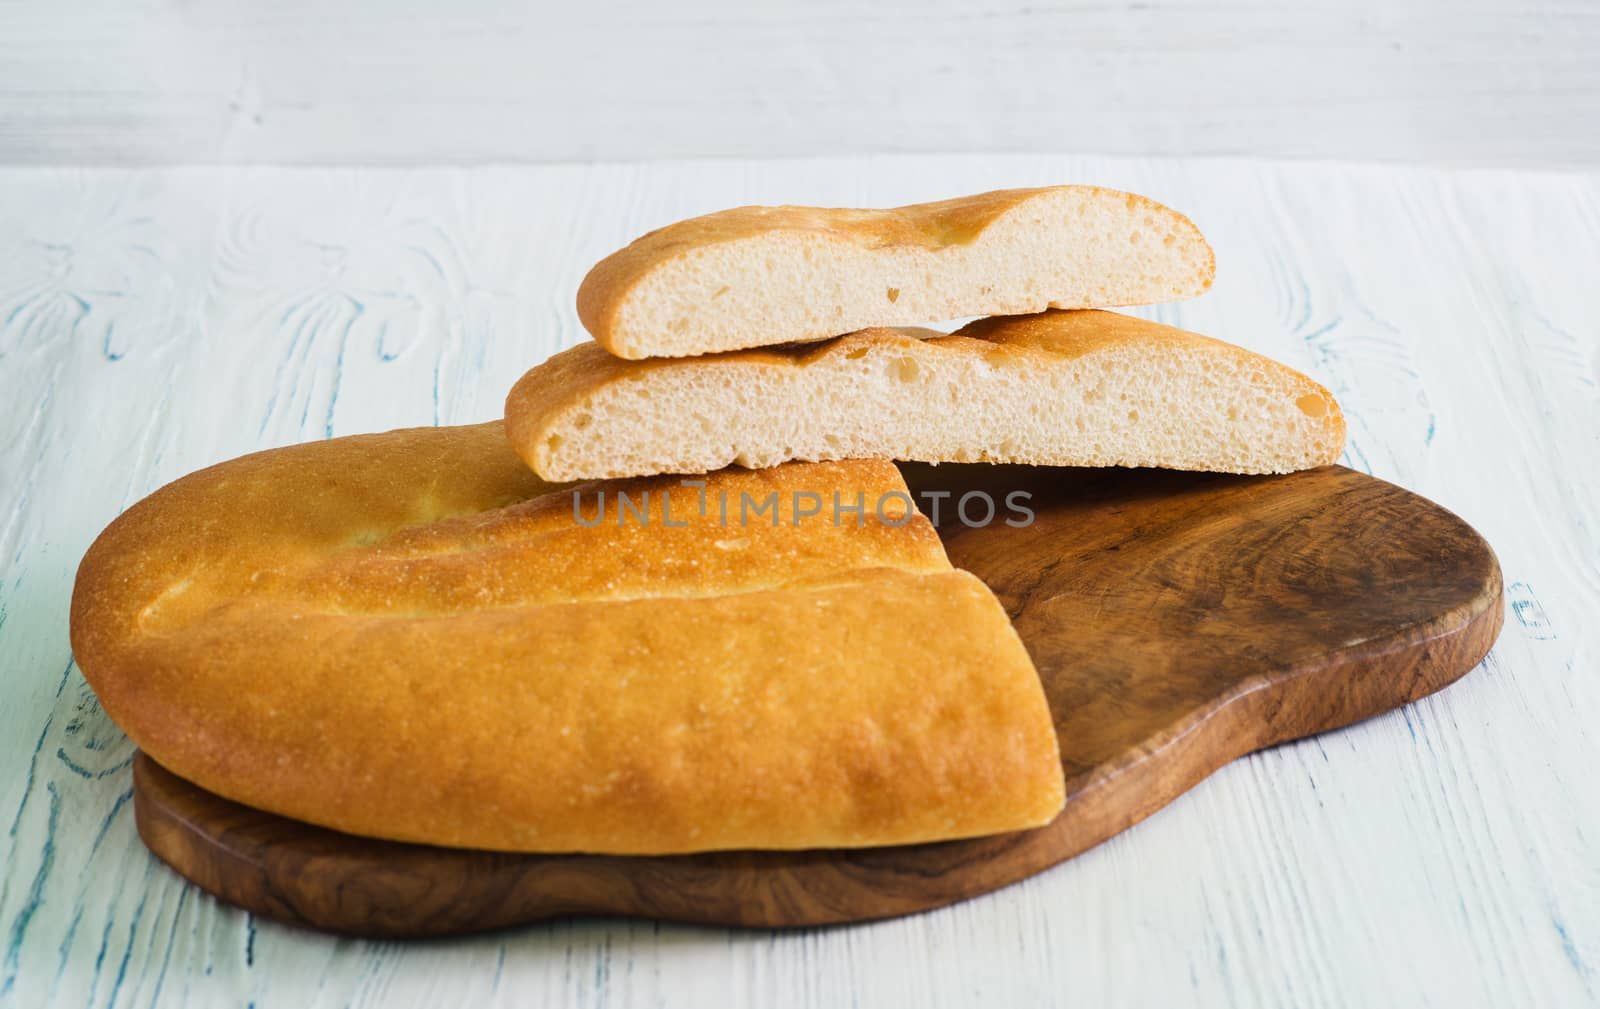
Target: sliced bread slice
[756,276]
[1060,388]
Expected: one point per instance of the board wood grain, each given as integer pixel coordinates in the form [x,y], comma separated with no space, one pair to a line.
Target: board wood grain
[1178,621]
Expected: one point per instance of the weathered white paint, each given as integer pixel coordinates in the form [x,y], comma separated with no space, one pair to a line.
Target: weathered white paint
[470,81]
[1448,854]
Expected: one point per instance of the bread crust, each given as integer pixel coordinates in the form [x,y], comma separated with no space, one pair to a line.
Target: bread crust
[904,241]
[409,636]
[987,354]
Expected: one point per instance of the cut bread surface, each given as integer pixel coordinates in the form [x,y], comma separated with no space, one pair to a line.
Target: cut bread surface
[757,276]
[1081,388]
[410,636]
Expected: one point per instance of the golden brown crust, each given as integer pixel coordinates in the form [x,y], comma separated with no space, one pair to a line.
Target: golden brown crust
[1054,335]
[932,226]
[409,636]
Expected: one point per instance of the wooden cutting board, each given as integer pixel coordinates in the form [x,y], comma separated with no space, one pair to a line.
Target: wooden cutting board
[1178,620]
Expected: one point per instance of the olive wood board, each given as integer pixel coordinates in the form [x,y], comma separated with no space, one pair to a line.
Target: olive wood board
[1178,621]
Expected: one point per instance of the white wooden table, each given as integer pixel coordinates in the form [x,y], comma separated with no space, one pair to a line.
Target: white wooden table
[1448,854]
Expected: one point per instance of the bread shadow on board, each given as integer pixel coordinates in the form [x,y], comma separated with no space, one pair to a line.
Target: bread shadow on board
[941,487]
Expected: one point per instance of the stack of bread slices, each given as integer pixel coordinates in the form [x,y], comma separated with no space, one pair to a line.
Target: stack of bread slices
[785,317]
[432,636]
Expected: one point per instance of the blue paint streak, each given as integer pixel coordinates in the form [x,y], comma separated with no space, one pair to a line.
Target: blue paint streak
[602,969]
[1530,614]
[96,745]
[338,363]
[127,952]
[1569,947]
[110,818]
[1324,329]
[305,409]
[33,763]
[100,957]
[84,772]
[383,337]
[1358,458]
[438,366]
[19,927]
[1323,353]
[105,348]
[172,934]
[277,377]
[63,951]
[432,260]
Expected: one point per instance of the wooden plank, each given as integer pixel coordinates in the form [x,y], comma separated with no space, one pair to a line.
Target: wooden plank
[1446,853]
[1490,82]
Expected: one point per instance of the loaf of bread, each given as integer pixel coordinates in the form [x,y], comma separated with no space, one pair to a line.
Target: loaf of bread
[410,636]
[757,276]
[1059,388]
